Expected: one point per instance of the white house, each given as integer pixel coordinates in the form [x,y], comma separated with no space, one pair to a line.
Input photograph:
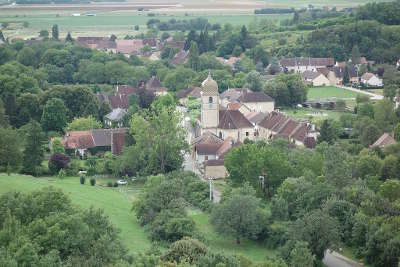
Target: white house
[315,78]
[371,79]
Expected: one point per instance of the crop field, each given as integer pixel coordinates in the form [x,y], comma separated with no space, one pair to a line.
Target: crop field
[107,23]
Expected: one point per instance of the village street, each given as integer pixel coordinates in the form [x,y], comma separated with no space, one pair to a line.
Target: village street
[189,163]
[372,95]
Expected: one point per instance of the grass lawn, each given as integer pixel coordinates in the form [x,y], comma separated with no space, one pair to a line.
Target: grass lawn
[307,113]
[116,202]
[251,249]
[328,92]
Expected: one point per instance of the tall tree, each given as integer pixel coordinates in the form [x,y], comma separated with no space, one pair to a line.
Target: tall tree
[10,149]
[34,151]
[346,77]
[328,132]
[355,55]
[81,124]
[54,116]
[194,60]
[2,37]
[239,215]
[54,32]
[69,38]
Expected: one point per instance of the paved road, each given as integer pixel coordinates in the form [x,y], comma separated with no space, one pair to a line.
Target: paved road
[372,95]
[189,164]
[334,259]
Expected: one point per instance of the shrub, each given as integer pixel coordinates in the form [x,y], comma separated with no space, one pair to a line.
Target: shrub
[61,174]
[115,184]
[110,184]
[57,162]
[82,179]
[92,181]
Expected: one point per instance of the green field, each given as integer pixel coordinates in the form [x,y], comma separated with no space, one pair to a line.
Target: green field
[312,113]
[107,23]
[328,92]
[117,204]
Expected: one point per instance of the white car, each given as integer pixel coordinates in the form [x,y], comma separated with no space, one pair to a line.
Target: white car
[82,172]
[122,182]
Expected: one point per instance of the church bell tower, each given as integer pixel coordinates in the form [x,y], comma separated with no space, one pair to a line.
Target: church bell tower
[209,105]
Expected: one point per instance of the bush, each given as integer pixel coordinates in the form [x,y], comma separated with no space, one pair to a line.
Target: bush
[57,162]
[115,184]
[110,184]
[61,174]
[92,181]
[82,179]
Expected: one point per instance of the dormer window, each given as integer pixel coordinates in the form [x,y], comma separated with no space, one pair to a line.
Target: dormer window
[210,99]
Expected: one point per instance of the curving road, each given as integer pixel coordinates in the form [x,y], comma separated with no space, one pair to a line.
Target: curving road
[334,259]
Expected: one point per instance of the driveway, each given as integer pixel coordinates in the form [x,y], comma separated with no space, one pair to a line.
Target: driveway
[372,95]
[334,259]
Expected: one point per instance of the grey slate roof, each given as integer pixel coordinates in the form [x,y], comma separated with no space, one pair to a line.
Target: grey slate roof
[116,114]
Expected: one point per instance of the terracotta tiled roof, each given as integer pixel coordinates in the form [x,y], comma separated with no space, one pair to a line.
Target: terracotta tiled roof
[180,58]
[249,96]
[233,119]
[129,47]
[152,42]
[119,101]
[292,62]
[385,140]
[78,139]
[118,141]
[214,162]
[233,106]
[273,119]
[232,94]
[154,82]
[256,117]
[125,89]
[207,144]
[310,75]
[300,133]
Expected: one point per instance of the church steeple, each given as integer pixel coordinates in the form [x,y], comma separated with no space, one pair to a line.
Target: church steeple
[209,103]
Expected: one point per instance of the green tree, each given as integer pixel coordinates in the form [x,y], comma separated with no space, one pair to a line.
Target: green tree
[2,37]
[26,56]
[390,167]
[318,229]
[164,102]
[390,189]
[369,135]
[384,114]
[355,55]
[162,129]
[68,38]
[186,250]
[27,108]
[194,61]
[57,147]
[328,132]
[44,34]
[10,149]
[81,124]
[389,91]
[346,77]
[33,151]
[54,32]
[301,256]
[54,116]
[238,215]
[253,81]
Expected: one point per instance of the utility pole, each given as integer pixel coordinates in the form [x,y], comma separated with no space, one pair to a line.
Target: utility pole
[211,192]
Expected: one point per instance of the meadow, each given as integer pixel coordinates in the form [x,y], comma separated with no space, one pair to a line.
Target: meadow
[117,204]
[323,92]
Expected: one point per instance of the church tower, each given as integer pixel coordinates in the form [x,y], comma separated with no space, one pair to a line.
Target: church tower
[209,105]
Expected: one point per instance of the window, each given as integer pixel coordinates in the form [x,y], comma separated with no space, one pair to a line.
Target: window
[210,100]
[247,133]
[206,157]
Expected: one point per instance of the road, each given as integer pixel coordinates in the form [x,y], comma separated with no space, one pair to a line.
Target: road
[334,259]
[189,163]
[372,95]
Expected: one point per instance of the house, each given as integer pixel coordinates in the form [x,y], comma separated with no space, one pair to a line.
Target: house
[99,43]
[114,101]
[301,65]
[191,92]
[230,95]
[315,78]
[370,79]
[209,153]
[129,47]
[278,125]
[338,74]
[257,101]
[114,118]
[80,142]
[383,141]
[154,85]
[228,62]
[180,58]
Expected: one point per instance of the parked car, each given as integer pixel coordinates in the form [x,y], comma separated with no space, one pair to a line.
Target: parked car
[122,182]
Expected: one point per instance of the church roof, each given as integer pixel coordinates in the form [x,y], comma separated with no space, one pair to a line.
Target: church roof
[233,119]
[209,86]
